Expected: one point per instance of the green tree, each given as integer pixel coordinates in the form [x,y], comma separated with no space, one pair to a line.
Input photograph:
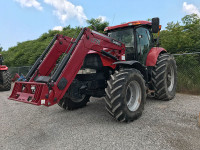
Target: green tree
[1,48]
[100,26]
[192,31]
[178,37]
[190,19]
[182,37]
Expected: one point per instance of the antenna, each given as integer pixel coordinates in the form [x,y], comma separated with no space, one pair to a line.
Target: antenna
[113,19]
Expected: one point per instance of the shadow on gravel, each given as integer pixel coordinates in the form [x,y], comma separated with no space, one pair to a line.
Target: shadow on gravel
[95,112]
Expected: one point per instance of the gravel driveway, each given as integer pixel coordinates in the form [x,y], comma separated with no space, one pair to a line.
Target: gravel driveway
[163,125]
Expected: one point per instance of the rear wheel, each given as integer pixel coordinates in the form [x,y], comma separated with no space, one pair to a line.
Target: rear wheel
[125,95]
[5,81]
[164,77]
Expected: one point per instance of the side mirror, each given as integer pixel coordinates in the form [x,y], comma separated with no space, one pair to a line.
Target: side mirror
[155,25]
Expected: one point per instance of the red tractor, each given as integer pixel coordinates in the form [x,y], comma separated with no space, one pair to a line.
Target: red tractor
[5,78]
[122,66]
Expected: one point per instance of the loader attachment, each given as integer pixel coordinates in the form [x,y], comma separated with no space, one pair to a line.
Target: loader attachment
[48,80]
[30,92]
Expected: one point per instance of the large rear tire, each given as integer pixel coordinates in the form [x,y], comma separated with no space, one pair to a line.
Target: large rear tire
[164,77]
[6,81]
[125,95]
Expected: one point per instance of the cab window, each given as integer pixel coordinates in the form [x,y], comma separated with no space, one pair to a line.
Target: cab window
[144,43]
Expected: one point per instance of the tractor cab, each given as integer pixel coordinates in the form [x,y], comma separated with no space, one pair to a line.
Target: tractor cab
[137,37]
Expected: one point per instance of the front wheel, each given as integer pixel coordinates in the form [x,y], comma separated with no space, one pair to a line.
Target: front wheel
[164,77]
[71,104]
[73,99]
[125,95]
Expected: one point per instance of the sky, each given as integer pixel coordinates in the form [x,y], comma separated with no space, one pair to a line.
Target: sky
[22,20]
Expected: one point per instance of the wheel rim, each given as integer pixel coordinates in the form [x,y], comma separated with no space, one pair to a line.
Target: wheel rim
[79,99]
[170,78]
[133,95]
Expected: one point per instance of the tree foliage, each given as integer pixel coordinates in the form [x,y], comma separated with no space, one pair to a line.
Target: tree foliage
[177,38]
[182,37]
[100,26]
[26,53]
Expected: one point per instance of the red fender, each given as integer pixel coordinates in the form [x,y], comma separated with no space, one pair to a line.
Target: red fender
[153,55]
[3,68]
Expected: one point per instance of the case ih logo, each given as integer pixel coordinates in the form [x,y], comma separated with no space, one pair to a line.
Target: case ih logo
[96,41]
[117,43]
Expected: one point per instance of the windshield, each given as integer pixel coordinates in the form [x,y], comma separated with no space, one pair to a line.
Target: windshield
[124,35]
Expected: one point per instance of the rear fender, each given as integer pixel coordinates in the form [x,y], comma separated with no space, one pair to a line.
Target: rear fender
[3,68]
[134,64]
[153,55]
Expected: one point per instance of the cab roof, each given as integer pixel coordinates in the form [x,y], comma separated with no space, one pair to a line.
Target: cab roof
[132,23]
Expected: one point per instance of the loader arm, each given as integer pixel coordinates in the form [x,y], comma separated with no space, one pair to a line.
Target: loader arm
[46,83]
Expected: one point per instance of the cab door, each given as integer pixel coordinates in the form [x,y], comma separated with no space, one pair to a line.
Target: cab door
[144,42]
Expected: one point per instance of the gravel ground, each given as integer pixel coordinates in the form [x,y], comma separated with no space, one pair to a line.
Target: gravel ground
[163,125]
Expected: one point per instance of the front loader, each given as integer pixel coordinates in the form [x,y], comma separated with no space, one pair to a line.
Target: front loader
[122,66]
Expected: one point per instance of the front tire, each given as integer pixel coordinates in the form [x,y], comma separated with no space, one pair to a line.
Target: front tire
[71,104]
[164,77]
[125,95]
[70,100]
